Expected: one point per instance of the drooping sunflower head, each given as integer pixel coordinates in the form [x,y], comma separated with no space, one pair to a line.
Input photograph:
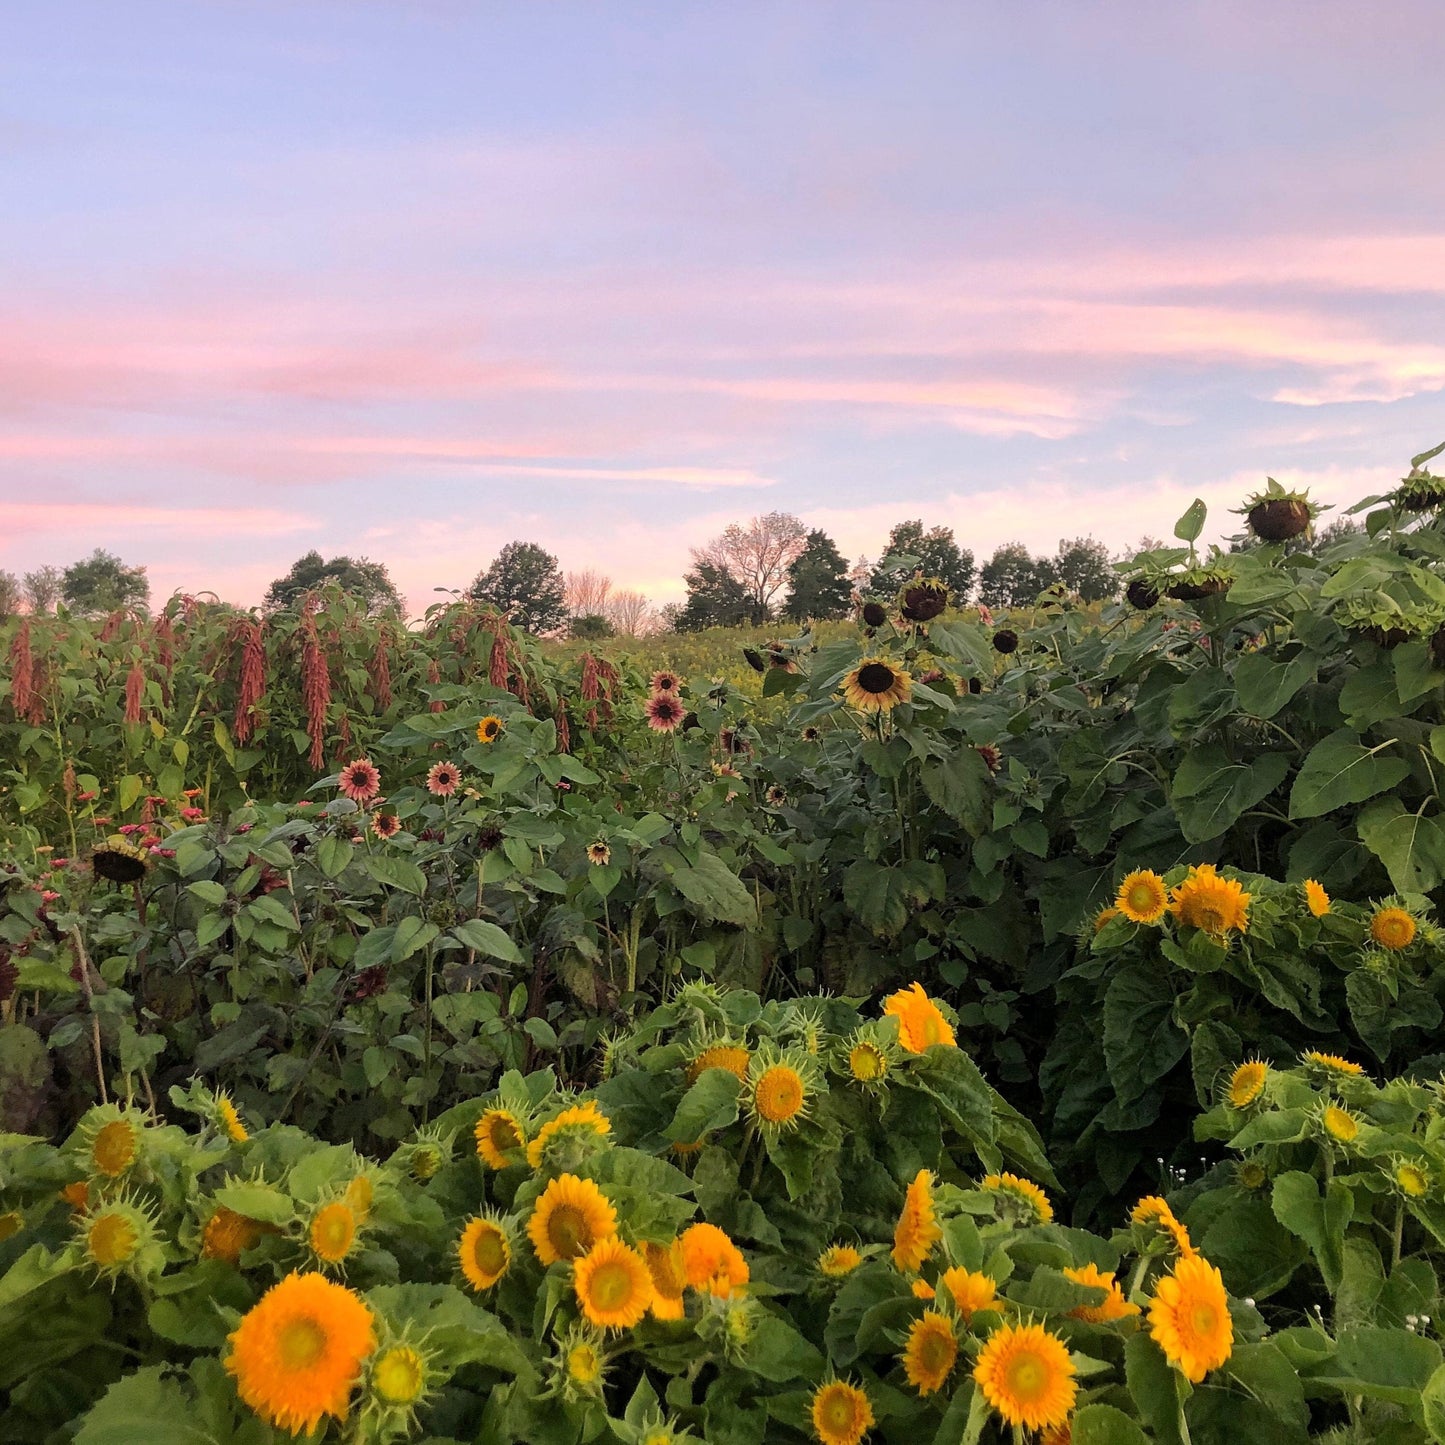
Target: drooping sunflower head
[360,781]
[1112,1307]
[1392,927]
[120,860]
[569,1138]
[923,599]
[571,1216]
[332,1233]
[484,1250]
[1410,1177]
[711,1261]
[1210,902]
[490,728]
[443,779]
[839,1260]
[1142,897]
[930,1352]
[842,1413]
[917,1229]
[1339,1125]
[599,855]
[876,686]
[1020,1199]
[921,1023]
[297,1354]
[969,1290]
[1026,1375]
[613,1285]
[780,1088]
[1316,899]
[1159,1228]
[1189,1318]
[501,1136]
[1246,1084]
[669,1278]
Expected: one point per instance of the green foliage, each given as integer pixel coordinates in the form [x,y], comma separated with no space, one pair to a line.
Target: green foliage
[365,580]
[525,582]
[103,583]
[934,553]
[818,585]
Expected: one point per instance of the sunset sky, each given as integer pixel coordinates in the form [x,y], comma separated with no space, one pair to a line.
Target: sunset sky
[411,280]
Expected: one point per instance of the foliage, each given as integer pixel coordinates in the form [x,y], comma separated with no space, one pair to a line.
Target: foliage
[757,555]
[42,588]
[10,593]
[934,553]
[1083,566]
[818,585]
[1013,577]
[715,598]
[365,580]
[103,583]
[525,582]
[590,627]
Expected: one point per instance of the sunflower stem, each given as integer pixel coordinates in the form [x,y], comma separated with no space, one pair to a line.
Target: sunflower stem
[1398,1236]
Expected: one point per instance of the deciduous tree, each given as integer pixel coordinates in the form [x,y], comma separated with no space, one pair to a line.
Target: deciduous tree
[757,554]
[525,581]
[362,578]
[42,588]
[935,553]
[715,598]
[103,583]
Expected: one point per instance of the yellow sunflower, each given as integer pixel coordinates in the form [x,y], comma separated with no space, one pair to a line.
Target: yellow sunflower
[227,1235]
[484,1252]
[1332,1065]
[923,1290]
[1316,899]
[921,1023]
[842,1413]
[489,729]
[838,1260]
[1392,928]
[585,1119]
[298,1352]
[732,1057]
[669,1278]
[969,1290]
[1340,1124]
[584,1363]
[1410,1178]
[230,1118]
[115,1145]
[1142,897]
[1246,1083]
[114,1236]
[1113,1307]
[332,1232]
[876,686]
[917,1230]
[711,1261]
[1153,1212]
[929,1355]
[1104,917]
[571,1216]
[613,1285]
[359,1195]
[1207,901]
[399,1377]
[1033,1202]
[1026,1374]
[778,1093]
[500,1138]
[1189,1318]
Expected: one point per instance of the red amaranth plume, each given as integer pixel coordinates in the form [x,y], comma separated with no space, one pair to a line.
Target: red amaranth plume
[163,635]
[247,634]
[564,733]
[497,666]
[135,687]
[111,630]
[343,735]
[434,675]
[380,670]
[22,670]
[35,712]
[315,689]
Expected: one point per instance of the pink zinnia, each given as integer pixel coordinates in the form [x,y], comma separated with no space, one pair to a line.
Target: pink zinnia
[193,815]
[664,712]
[443,779]
[360,781]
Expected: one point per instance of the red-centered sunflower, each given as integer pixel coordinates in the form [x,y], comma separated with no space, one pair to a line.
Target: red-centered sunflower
[443,779]
[385,825]
[663,712]
[665,681]
[360,781]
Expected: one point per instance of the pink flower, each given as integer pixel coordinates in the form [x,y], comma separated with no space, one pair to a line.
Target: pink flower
[360,781]
[193,815]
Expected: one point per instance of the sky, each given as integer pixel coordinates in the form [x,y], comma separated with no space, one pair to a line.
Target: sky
[413,280]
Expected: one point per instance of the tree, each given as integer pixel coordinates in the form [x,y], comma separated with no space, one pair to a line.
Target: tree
[757,555]
[590,627]
[715,598]
[587,594]
[103,583]
[42,588]
[629,612]
[10,594]
[818,584]
[525,581]
[367,581]
[1013,578]
[937,554]
[1083,566]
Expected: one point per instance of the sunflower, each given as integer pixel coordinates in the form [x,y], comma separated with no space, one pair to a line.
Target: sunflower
[917,1230]
[1005,640]
[1114,1305]
[120,860]
[360,781]
[571,1216]
[298,1352]
[230,1118]
[114,1147]
[1332,1066]
[1023,1194]
[1246,1083]
[1410,1178]
[1142,897]
[732,1057]
[581,1120]
[921,1289]
[711,1261]
[385,825]
[874,614]
[227,1235]
[112,1237]
[779,1092]
[1339,1124]
[399,1377]
[931,1350]
[1316,899]
[663,712]
[77,1195]
[842,1413]
[583,1363]
[443,779]
[664,681]
[1392,928]
[613,1285]
[1209,902]
[838,1260]
[1250,1174]
[870,1057]
[811,734]
[1102,919]
[923,599]
[669,1278]
[500,1137]
[599,854]
[969,1290]
[1026,1374]
[921,1023]
[484,1252]
[332,1232]
[490,728]
[11,1223]
[1152,1212]
[1189,1318]
[876,686]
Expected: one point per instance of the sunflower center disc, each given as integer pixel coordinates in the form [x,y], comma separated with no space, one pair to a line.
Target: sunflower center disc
[300,1343]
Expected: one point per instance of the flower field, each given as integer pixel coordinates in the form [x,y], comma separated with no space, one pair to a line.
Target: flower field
[933,1028]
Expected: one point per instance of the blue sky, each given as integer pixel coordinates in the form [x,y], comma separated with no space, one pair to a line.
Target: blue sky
[412,280]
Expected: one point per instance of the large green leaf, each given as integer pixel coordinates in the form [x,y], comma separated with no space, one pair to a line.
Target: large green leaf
[1141,1040]
[1410,845]
[716,893]
[487,939]
[884,897]
[1319,1221]
[1104,1425]
[1211,790]
[1340,770]
[1265,684]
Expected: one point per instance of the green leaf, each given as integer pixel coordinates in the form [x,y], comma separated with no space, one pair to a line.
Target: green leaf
[1191,524]
[1104,1425]
[143,1406]
[333,855]
[1320,1222]
[715,892]
[1433,1404]
[711,1103]
[397,873]
[1340,771]
[127,791]
[1142,1042]
[412,934]
[207,892]
[486,938]
[1211,790]
[884,897]
[1410,845]
[1265,684]
[1393,1365]
[959,785]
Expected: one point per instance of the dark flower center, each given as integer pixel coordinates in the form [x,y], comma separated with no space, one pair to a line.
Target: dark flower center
[875,678]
